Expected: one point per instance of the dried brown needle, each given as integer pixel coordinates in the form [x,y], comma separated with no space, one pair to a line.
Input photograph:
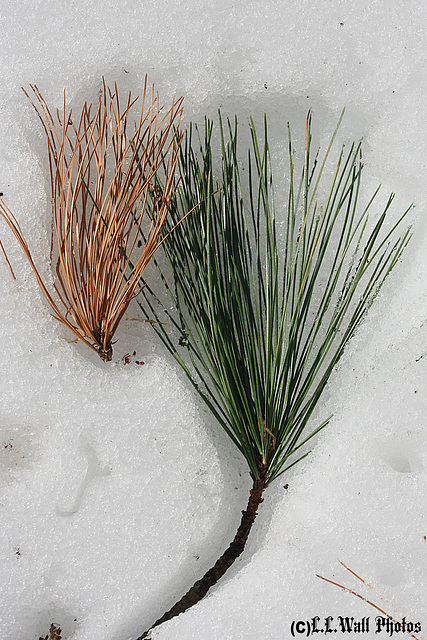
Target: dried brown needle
[358,595]
[102,173]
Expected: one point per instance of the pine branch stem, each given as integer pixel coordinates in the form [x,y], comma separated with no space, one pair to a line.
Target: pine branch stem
[211,577]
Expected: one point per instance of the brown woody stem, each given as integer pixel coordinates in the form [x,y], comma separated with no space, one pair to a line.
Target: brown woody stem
[211,577]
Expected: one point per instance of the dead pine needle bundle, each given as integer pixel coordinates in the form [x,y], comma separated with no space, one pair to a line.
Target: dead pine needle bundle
[103,170]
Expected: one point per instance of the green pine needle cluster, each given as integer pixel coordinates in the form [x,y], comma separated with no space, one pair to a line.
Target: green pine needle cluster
[261,318]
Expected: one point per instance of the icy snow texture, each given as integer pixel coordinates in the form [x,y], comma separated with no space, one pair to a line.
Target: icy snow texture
[117,490]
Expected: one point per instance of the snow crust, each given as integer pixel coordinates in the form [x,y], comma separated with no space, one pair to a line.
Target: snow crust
[117,489]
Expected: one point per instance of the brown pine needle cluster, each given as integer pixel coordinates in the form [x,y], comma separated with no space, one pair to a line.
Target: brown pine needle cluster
[103,180]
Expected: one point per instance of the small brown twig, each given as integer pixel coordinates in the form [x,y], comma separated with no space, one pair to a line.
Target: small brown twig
[201,587]
[54,633]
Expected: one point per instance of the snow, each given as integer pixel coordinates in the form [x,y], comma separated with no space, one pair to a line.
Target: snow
[117,489]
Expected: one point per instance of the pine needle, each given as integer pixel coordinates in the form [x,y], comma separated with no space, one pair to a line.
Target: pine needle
[265,319]
[7,259]
[102,170]
[358,595]
[261,321]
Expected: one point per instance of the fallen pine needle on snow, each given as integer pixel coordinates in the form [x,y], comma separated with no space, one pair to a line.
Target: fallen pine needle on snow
[358,595]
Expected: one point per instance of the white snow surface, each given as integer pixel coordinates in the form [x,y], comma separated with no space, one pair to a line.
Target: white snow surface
[117,488]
